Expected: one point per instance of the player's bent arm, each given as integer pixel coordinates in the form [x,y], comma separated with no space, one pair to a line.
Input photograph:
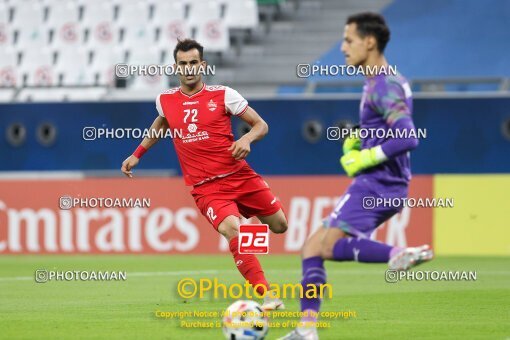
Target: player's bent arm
[157,129]
[241,148]
[259,127]
[356,161]
[393,106]
[396,146]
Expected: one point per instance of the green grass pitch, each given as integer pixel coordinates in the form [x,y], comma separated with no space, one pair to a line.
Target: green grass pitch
[126,309]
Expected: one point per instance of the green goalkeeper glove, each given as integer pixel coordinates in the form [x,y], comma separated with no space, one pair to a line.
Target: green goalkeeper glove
[356,161]
[351,143]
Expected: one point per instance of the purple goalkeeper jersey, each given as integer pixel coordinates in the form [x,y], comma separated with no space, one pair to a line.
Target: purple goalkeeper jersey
[385,101]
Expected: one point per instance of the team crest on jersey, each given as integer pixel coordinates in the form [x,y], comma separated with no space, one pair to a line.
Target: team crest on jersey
[212,105]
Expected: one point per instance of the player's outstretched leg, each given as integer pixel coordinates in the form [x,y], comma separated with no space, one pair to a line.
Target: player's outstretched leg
[331,244]
[350,248]
[351,225]
[247,264]
[410,257]
[277,224]
[338,246]
[361,249]
[314,273]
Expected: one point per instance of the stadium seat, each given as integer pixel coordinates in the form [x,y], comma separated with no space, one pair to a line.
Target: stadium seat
[132,12]
[31,38]
[155,83]
[168,56]
[86,3]
[241,14]
[138,36]
[28,23]
[202,11]
[64,25]
[37,68]
[6,36]
[28,13]
[170,22]
[170,32]
[147,57]
[72,67]
[167,11]
[6,33]
[9,77]
[144,56]
[103,65]
[133,21]
[213,35]
[4,13]
[98,20]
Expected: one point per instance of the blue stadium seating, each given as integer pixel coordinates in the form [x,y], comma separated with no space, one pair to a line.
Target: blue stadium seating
[435,39]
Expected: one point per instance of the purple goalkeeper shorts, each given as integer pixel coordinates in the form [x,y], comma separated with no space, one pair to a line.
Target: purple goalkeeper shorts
[365,206]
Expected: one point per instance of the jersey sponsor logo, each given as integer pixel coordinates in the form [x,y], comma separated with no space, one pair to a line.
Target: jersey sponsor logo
[195,137]
[212,105]
[190,103]
[253,239]
[192,127]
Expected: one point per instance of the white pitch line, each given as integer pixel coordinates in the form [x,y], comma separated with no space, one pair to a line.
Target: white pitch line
[196,272]
[273,271]
[16,278]
[135,274]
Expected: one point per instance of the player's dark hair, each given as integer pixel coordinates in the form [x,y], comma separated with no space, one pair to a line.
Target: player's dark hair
[187,45]
[368,23]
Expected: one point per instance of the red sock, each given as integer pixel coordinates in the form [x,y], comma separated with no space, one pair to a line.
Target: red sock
[249,267]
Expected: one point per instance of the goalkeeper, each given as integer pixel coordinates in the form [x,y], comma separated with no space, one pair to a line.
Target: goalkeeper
[380,167]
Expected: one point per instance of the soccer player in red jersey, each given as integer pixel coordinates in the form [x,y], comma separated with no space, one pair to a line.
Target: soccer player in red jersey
[225,187]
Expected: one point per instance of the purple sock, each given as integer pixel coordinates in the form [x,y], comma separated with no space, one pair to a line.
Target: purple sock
[362,250]
[313,273]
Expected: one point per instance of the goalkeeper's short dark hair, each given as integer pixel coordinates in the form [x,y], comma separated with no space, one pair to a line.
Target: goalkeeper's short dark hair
[368,23]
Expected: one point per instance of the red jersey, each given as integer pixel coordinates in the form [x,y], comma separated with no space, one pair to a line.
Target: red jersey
[204,119]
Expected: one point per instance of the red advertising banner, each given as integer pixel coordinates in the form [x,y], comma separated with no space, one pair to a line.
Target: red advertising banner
[158,215]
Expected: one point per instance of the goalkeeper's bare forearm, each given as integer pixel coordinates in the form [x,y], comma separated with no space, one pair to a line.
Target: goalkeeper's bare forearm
[159,124]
